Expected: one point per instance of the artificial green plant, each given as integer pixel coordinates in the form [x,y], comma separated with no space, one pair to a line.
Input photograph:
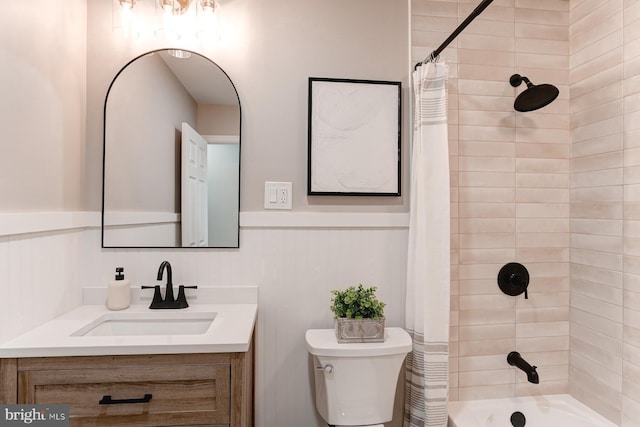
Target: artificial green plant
[357,303]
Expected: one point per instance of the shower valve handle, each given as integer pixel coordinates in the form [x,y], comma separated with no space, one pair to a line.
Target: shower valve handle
[518,282]
[513,279]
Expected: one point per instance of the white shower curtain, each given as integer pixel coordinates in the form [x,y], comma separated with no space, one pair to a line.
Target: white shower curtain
[428,263]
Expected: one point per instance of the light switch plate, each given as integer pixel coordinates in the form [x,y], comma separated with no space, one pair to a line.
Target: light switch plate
[277,195]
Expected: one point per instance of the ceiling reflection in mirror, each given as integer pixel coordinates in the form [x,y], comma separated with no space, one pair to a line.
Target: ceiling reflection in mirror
[171,155]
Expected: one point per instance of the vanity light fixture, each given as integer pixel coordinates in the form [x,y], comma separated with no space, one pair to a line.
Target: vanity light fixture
[127,4]
[208,6]
[124,16]
[174,7]
[169,19]
[207,20]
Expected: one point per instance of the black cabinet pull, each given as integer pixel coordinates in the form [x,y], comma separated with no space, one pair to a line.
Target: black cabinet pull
[107,400]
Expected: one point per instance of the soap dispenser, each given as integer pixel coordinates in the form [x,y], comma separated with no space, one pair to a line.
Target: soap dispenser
[119,291]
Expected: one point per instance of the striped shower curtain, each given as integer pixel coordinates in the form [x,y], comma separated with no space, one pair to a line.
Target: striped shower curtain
[428,263]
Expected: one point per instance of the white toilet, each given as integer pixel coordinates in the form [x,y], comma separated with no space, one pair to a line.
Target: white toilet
[356,382]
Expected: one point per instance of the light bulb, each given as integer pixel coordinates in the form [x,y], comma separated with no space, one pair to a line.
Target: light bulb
[167,5]
[208,6]
[127,4]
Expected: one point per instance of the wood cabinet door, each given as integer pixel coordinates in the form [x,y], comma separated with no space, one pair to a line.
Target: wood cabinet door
[180,394]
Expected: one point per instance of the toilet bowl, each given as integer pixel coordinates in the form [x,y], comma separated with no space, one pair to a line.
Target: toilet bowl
[355,383]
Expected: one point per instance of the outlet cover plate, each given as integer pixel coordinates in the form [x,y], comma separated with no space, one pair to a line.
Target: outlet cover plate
[278,195]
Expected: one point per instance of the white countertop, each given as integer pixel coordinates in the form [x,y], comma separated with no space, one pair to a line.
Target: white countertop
[231,331]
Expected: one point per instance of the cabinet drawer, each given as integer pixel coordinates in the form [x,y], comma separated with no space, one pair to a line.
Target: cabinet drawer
[181,395]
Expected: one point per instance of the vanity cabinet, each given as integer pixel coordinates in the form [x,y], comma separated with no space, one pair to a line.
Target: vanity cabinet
[208,389]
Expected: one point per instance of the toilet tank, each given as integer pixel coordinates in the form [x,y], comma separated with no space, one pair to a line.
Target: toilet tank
[360,386]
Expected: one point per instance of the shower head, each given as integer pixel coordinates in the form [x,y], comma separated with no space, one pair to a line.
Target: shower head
[534,96]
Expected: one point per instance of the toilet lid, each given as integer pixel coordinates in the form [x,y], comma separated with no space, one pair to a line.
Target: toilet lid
[368,425]
[323,342]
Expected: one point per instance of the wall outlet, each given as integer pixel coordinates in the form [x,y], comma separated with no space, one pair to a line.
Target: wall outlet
[277,195]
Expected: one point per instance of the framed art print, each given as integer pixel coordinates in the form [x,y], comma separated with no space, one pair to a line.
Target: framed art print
[354,137]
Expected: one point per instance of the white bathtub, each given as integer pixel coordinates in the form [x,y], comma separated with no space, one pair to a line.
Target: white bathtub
[539,411]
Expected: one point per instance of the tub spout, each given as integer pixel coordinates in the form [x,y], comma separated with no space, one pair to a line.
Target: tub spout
[516,360]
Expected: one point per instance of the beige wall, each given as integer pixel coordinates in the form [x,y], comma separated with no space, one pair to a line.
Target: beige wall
[269,50]
[42,112]
[274,47]
[218,119]
[510,191]
[42,119]
[143,138]
[605,273]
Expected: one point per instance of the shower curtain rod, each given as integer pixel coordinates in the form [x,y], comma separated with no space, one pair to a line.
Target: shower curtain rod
[477,11]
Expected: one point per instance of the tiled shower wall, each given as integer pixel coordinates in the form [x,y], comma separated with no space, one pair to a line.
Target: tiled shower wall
[557,190]
[605,208]
[510,190]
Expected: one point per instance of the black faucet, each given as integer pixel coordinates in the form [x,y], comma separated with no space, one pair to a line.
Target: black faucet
[516,360]
[169,301]
[168,292]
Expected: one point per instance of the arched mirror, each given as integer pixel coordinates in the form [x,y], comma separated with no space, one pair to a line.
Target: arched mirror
[171,174]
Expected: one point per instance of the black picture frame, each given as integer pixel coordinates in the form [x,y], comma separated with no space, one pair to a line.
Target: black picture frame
[354,137]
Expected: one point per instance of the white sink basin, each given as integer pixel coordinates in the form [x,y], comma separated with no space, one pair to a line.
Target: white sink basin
[171,322]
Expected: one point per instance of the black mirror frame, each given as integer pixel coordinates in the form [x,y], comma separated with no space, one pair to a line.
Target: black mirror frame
[104,144]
